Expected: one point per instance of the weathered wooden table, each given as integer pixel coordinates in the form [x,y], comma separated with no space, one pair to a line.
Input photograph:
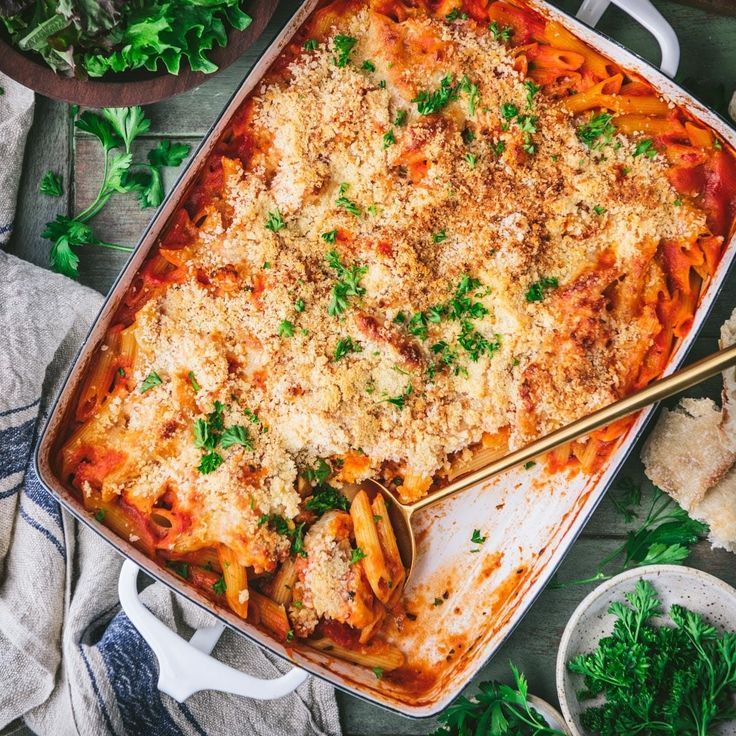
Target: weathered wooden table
[708,63]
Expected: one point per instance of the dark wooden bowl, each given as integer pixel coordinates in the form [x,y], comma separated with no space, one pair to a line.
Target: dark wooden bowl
[130,88]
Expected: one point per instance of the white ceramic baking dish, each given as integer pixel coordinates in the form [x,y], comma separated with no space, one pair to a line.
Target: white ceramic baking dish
[530,518]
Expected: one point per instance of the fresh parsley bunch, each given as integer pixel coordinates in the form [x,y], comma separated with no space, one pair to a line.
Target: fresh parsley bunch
[664,537]
[677,680]
[496,710]
[93,37]
[116,129]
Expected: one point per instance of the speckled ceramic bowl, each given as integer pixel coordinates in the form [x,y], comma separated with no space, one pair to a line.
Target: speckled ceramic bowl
[551,715]
[591,621]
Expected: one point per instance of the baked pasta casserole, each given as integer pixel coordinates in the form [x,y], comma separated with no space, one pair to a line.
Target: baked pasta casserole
[436,230]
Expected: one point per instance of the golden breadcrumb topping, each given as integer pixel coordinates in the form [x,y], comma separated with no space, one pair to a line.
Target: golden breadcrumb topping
[391,284]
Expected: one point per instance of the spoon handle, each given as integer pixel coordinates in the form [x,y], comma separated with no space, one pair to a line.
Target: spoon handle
[656,391]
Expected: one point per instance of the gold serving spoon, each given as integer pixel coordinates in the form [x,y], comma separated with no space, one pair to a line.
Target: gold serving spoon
[401,513]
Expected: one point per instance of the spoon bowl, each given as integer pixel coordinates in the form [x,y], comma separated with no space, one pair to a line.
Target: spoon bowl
[401,514]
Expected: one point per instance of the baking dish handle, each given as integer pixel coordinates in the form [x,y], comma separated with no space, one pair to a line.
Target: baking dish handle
[186,667]
[645,13]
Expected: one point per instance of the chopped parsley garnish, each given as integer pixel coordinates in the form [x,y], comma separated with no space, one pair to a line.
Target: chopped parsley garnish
[417,325]
[456,14]
[318,475]
[400,401]
[290,635]
[356,555]
[717,144]
[476,538]
[599,210]
[330,236]
[461,305]
[275,222]
[471,159]
[598,131]
[476,344]
[528,125]
[509,111]
[179,567]
[368,66]
[298,605]
[325,499]
[210,433]
[439,237]
[646,148]
[467,135]
[382,84]
[432,102]
[347,204]
[529,464]
[209,462]
[437,602]
[499,148]
[347,286]
[311,44]
[501,34]
[297,541]
[389,139]
[345,346]
[121,372]
[678,202]
[299,305]
[286,328]
[151,380]
[220,586]
[378,672]
[100,515]
[193,381]
[531,90]
[471,90]
[401,116]
[538,288]
[399,319]
[343,45]
[278,523]
[236,435]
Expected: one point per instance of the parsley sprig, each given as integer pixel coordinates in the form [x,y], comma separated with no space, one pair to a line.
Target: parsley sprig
[343,46]
[538,289]
[664,537]
[598,131]
[496,710]
[527,123]
[501,33]
[51,184]
[430,102]
[677,679]
[348,284]
[344,203]
[116,129]
[211,432]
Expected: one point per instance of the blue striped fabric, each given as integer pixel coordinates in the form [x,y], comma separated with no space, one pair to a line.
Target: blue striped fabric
[119,665]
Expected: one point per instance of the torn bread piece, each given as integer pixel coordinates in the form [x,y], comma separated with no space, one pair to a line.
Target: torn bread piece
[718,511]
[691,455]
[728,424]
[684,468]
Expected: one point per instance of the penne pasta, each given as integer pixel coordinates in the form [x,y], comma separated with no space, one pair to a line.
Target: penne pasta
[100,379]
[270,614]
[379,655]
[283,582]
[236,581]
[390,548]
[366,537]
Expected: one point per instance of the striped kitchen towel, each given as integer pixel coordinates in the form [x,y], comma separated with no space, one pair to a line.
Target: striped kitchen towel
[70,662]
[16,112]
